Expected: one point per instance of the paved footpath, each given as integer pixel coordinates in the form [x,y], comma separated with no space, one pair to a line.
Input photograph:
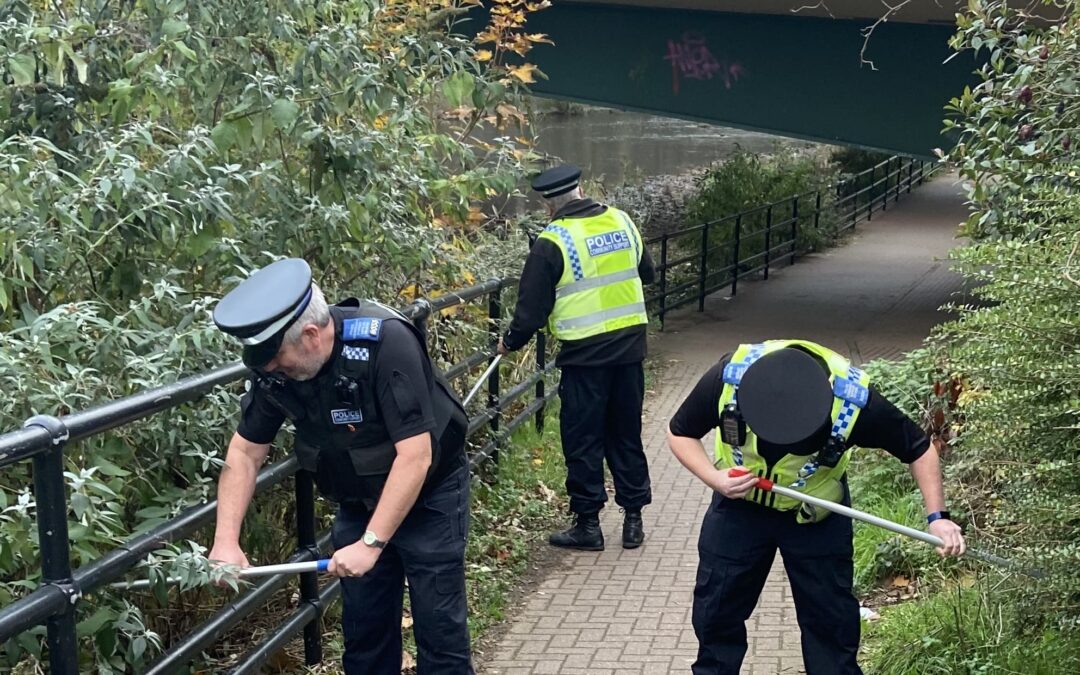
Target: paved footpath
[623,611]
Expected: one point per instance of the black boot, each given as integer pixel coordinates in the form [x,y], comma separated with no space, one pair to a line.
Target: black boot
[585,535]
[632,531]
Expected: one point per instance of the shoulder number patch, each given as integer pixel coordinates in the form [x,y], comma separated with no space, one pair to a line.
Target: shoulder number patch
[363,328]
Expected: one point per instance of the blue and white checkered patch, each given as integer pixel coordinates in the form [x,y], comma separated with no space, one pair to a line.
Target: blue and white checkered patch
[571,250]
[363,328]
[735,371]
[355,353]
[855,397]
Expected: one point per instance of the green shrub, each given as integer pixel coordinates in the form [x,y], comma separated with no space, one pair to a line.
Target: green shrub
[1014,351]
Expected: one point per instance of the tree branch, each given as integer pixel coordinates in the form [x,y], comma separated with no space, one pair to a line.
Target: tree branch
[869,30]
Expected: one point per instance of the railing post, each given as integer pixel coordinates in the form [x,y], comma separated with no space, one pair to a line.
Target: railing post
[735,255]
[794,225]
[309,581]
[541,363]
[899,170]
[768,239]
[817,213]
[885,192]
[910,173]
[704,267]
[663,276]
[50,495]
[870,195]
[494,316]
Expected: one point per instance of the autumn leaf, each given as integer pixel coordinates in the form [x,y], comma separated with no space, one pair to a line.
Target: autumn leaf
[524,73]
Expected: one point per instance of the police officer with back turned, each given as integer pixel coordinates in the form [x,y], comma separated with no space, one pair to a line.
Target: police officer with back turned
[384,437]
[789,411]
[583,277]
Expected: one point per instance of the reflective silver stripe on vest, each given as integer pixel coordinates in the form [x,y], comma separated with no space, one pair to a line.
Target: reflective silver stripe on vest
[600,317]
[595,282]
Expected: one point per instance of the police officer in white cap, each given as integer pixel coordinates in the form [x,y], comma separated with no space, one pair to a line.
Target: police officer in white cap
[583,277]
[384,437]
[789,411]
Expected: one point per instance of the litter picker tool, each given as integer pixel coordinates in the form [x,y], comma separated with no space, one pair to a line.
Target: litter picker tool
[768,486]
[476,387]
[248,572]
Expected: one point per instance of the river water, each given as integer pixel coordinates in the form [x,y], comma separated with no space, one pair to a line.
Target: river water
[616,148]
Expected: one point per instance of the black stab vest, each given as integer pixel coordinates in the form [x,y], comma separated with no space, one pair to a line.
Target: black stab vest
[340,435]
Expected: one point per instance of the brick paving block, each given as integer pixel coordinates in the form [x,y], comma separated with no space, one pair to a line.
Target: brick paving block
[547,667]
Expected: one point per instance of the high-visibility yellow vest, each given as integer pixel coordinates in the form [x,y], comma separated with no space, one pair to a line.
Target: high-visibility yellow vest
[850,392]
[599,290]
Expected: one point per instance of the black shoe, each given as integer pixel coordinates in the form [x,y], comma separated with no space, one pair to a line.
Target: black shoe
[632,531]
[585,535]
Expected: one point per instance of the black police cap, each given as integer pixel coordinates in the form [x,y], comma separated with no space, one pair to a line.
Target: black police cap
[785,396]
[557,180]
[263,306]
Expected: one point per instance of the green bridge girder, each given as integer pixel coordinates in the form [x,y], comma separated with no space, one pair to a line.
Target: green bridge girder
[790,75]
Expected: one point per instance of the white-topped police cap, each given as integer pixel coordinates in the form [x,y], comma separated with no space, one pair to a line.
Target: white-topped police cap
[557,180]
[785,396]
[263,306]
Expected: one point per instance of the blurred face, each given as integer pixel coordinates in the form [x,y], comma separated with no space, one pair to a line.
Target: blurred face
[300,360]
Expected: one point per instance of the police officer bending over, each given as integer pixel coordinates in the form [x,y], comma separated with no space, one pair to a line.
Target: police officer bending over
[384,437]
[790,411]
[583,277]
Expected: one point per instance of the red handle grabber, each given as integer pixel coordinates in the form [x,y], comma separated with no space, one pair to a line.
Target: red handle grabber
[762,483]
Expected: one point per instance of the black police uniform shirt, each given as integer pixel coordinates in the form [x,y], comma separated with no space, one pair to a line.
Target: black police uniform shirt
[536,298]
[880,424]
[404,387]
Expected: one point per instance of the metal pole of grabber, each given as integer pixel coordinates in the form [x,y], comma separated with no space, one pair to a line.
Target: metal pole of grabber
[768,486]
[261,571]
[476,387]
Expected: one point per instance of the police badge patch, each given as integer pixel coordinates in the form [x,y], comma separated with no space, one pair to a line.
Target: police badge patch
[364,328]
[345,416]
[609,242]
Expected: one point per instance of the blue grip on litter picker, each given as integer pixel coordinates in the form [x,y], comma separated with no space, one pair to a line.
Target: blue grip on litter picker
[322,565]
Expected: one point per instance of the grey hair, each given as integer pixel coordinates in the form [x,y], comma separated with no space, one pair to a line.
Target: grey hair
[316,313]
[558,201]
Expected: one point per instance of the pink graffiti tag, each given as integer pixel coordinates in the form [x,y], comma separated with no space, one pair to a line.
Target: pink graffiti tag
[692,59]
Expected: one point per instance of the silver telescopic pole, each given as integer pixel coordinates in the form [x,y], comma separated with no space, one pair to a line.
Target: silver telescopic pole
[262,571]
[476,387]
[855,514]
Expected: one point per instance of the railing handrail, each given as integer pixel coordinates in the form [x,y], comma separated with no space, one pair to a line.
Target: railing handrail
[848,206]
[783,200]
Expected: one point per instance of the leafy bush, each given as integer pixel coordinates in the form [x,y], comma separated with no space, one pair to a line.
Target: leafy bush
[850,161]
[1013,352]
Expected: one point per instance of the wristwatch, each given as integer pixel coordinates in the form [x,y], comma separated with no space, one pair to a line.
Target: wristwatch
[937,515]
[372,540]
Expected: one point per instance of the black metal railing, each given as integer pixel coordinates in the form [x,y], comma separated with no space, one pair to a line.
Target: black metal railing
[44,439]
[697,261]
